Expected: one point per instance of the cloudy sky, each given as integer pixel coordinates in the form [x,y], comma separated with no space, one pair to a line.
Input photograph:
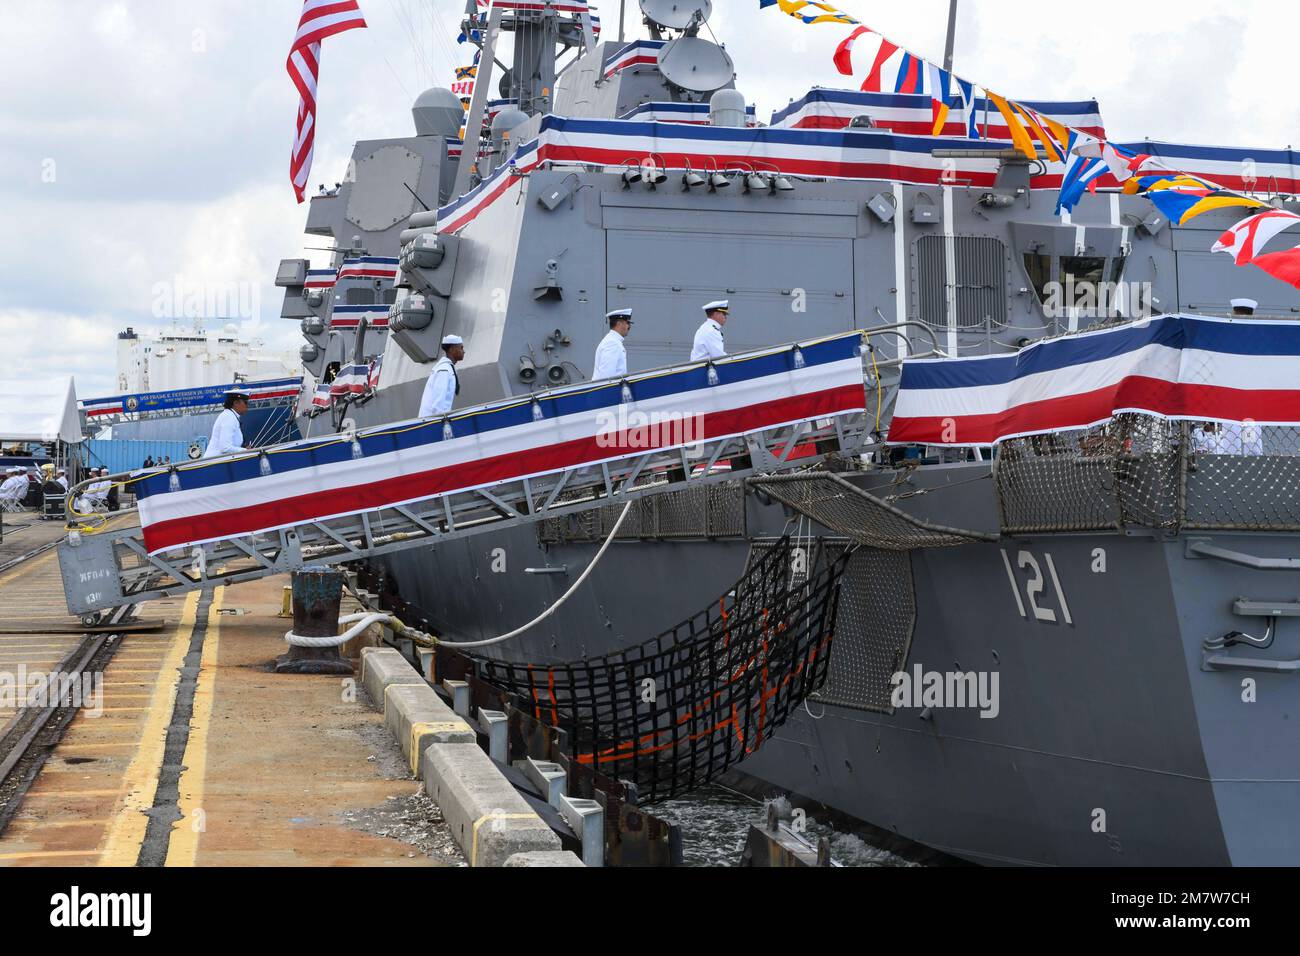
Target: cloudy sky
[144,143]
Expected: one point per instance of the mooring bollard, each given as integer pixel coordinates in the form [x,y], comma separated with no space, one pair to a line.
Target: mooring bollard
[317,594]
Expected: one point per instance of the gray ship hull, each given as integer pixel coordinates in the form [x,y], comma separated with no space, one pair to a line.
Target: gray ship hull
[1111,745]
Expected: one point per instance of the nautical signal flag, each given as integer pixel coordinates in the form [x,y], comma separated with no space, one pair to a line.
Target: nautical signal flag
[1182,198]
[1081,174]
[1246,240]
[320,19]
[809,11]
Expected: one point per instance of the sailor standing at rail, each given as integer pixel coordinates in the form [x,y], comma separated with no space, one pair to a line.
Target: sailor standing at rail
[227,437]
[444,384]
[709,341]
[611,354]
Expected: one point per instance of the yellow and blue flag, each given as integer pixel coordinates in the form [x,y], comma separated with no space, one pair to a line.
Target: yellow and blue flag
[798,8]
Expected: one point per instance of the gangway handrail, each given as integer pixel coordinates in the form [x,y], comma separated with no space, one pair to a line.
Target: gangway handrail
[807,395]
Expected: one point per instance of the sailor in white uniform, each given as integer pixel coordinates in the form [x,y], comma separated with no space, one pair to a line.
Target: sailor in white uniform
[444,384]
[611,354]
[709,342]
[15,486]
[1244,307]
[226,434]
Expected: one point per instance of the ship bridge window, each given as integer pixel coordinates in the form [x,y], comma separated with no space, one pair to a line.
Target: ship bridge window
[1038,268]
[1083,270]
[360,296]
[979,294]
[390,296]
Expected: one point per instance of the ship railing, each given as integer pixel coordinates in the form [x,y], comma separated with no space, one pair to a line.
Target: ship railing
[1141,472]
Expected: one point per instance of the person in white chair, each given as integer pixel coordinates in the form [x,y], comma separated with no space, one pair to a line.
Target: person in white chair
[443,386]
[709,340]
[611,354]
[227,436]
[13,488]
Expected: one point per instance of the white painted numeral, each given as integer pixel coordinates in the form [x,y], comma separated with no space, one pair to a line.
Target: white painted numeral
[1036,586]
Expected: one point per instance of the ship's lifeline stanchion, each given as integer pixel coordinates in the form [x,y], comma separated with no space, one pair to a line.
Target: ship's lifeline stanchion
[314,641]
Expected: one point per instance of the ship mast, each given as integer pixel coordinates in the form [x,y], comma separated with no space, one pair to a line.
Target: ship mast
[951,46]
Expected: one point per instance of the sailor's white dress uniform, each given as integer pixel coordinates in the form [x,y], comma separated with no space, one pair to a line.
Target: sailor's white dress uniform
[709,343]
[227,437]
[611,357]
[441,389]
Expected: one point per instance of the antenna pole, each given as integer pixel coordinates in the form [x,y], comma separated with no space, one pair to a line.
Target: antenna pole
[952,36]
[622,18]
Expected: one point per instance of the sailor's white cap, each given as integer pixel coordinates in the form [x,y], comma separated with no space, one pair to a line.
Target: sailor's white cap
[722,305]
[619,314]
[231,392]
[1245,304]
[448,340]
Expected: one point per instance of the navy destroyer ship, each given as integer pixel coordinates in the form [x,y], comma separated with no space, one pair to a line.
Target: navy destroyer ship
[1113,586]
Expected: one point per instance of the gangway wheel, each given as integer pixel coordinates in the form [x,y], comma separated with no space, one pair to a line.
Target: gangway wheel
[91,620]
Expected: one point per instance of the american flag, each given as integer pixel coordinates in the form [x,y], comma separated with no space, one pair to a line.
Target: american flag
[320,19]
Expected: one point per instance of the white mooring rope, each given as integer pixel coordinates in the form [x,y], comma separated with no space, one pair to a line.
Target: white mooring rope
[362,621]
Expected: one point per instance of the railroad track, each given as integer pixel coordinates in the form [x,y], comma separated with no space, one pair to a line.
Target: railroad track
[31,735]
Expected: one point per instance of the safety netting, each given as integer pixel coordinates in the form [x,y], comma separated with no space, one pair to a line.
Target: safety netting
[847,509]
[1140,471]
[677,711]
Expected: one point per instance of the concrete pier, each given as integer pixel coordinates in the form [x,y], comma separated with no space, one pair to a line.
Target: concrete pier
[198,753]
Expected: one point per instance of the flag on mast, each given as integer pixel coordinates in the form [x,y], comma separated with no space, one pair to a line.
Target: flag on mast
[320,19]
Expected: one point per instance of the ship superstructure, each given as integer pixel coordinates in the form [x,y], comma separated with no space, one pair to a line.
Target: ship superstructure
[633,175]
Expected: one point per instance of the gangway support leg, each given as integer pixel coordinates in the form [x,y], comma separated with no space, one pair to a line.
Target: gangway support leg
[317,594]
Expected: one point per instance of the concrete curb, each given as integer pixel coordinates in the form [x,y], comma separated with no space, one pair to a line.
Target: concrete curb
[417,717]
[490,821]
[381,666]
[563,858]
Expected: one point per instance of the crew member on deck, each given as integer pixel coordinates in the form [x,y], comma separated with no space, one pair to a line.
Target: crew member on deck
[709,342]
[1244,307]
[227,437]
[444,384]
[611,354]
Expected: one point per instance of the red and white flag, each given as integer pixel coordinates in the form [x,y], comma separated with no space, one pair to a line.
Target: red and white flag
[320,19]
[1247,239]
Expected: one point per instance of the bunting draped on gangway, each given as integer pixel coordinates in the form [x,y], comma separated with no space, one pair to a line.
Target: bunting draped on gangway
[1179,367]
[522,438]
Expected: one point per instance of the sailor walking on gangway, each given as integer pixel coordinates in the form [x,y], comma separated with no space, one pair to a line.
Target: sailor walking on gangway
[611,354]
[709,341]
[227,437]
[444,384]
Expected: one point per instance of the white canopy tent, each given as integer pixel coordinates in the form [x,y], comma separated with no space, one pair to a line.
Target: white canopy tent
[39,411]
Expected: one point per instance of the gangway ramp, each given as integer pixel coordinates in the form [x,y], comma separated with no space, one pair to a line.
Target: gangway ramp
[416,484]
